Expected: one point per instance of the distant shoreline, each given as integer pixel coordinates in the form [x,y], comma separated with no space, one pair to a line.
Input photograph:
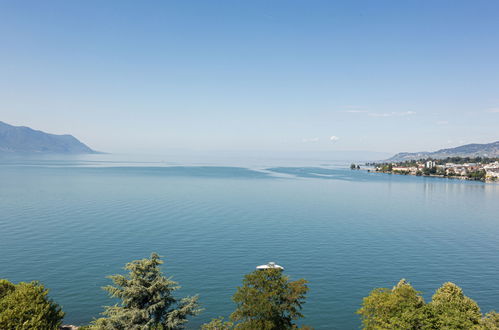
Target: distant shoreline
[463,178]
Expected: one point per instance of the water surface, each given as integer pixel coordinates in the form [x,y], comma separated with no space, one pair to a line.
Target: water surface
[69,224]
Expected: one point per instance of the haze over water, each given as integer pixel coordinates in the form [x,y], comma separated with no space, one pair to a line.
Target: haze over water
[70,223]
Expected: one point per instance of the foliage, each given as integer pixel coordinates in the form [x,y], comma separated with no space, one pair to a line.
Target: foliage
[146,300]
[218,324]
[477,175]
[6,287]
[451,309]
[441,171]
[399,308]
[429,170]
[490,321]
[269,300]
[385,168]
[403,308]
[27,306]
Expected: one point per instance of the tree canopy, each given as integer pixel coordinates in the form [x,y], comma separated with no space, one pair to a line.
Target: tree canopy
[403,308]
[27,306]
[490,321]
[218,324]
[397,308]
[146,299]
[268,300]
[451,309]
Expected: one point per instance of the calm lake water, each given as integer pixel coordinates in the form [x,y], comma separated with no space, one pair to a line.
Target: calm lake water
[70,224]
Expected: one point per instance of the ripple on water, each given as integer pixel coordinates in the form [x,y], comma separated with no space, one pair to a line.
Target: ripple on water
[346,232]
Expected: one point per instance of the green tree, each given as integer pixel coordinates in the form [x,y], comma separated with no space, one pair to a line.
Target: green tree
[269,300]
[451,309]
[147,300]
[27,306]
[218,324]
[477,175]
[490,321]
[401,307]
[353,166]
[6,287]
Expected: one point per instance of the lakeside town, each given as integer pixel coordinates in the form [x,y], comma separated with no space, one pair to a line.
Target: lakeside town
[467,168]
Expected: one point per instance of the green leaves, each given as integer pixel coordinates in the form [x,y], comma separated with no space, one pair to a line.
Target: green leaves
[403,308]
[268,300]
[490,321]
[218,324]
[146,299]
[451,309]
[26,306]
[398,308]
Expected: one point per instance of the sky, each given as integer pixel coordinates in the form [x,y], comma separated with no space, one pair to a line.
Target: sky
[271,75]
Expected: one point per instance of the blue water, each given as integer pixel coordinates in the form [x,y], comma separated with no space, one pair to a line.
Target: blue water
[345,231]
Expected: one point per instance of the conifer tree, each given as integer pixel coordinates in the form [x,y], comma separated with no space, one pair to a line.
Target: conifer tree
[218,324]
[146,299]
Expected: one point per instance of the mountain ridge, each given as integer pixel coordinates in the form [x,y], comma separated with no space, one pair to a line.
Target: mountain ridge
[467,150]
[25,140]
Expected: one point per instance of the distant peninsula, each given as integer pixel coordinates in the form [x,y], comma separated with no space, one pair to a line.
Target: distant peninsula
[25,140]
[487,150]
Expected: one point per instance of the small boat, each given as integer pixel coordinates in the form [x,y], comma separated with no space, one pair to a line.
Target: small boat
[269,266]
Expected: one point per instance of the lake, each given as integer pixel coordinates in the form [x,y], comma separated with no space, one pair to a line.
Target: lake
[71,223]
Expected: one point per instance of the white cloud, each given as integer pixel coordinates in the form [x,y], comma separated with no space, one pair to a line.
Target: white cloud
[355,111]
[374,114]
[334,138]
[392,114]
[442,122]
[494,110]
[307,140]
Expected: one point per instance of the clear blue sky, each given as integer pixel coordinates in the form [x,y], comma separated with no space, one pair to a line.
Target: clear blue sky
[147,76]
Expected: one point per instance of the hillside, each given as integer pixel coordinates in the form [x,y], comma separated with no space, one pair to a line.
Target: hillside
[468,150]
[24,140]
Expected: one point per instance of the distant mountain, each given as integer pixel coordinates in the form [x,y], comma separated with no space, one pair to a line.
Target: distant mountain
[20,139]
[468,150]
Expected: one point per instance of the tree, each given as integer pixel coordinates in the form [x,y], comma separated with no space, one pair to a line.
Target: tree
[268,300]
[451,309]
[218,324]
[353,166]
[402,307]
[146,299]
[27,306]
[477,175]
[490,321]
